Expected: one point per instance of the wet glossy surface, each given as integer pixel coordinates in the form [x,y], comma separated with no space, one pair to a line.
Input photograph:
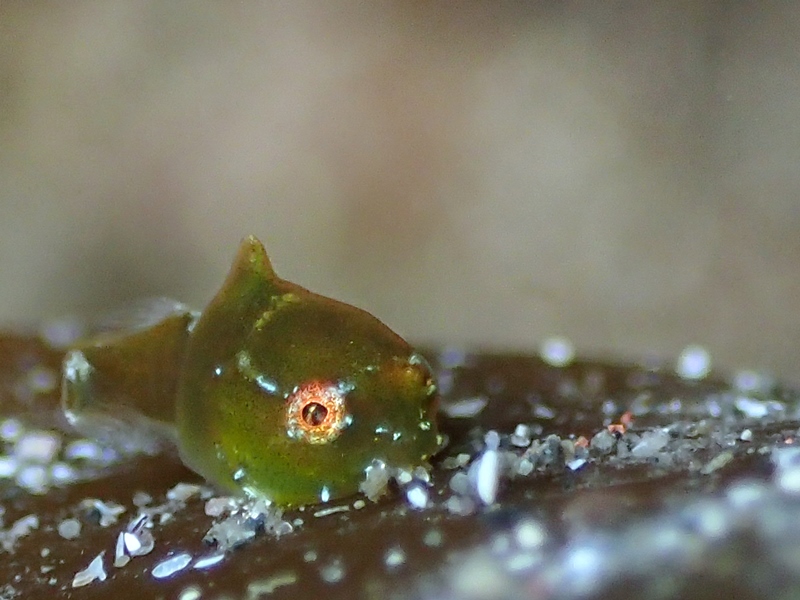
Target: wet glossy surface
[693,492]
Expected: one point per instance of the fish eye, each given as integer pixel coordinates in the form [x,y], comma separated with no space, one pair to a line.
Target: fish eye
[316,413]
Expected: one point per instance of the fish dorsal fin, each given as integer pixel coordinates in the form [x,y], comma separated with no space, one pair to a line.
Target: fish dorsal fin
[252,259]
[251,273]
[250,287]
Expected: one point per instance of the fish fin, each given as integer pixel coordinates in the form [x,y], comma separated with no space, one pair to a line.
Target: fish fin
[110,421]
[141,314]
[252,258]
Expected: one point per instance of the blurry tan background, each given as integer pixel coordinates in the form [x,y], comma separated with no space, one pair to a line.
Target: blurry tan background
[481,173]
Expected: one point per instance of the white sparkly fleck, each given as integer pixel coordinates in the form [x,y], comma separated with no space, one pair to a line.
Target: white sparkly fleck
[500,544]
[264,587]
[394,557]
[61,473]
[716,463]
[138,538]
[713,406]
[746,435]
[41,380]
[282,528]
[650,444]
[205,562]
[216,507]
[464,408]
[109,511]
[417,496]
[787,469]
[524,467]
[93,572]
[460,505]
[694,362]
[332,510]
[752,408]
[433,538]
[84,450]
[478,577]
[172,565]
[20,528]
[484,473]
[422,474]
[120,558]
[403,476]
[709,518]
[522,561]
[33,478]
[8,466]
[521,438]
[324,495]
[231,532]
[609,407]
[183,492]
[542,411]
[557,351]
[492,440]
[746,495]
[333,572]
[259,508]
[146,543]
[786,458]
[132,543]
[69,529]
[603,441]
[529,534]
[789,481]
[376,480]
[752,381]
[11,430]
[141,499]
[583,566]
[190,593]
[576,464]
[460,483]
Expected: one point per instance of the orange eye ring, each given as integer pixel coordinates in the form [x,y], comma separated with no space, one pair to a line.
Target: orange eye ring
[315,412]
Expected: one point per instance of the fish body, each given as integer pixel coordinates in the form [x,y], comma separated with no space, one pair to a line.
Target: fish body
[272,389]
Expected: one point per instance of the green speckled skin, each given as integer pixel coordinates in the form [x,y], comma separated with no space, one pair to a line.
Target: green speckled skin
[258,341]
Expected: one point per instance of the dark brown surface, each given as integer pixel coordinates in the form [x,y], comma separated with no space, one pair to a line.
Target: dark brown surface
[666,523]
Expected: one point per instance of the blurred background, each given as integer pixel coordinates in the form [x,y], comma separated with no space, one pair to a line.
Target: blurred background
[477,173]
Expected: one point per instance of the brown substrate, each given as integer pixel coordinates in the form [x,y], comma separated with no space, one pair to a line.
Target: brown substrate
[691,492]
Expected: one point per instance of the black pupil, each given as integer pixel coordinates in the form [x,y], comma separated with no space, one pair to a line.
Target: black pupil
[314,414]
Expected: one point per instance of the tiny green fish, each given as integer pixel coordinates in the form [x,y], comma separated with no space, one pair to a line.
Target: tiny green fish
[274,390]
